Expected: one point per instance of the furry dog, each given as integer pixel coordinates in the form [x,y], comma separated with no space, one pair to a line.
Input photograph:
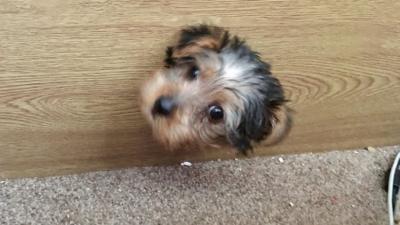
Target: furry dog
[214,91]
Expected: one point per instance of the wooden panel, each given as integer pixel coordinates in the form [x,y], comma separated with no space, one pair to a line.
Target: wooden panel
[70,73]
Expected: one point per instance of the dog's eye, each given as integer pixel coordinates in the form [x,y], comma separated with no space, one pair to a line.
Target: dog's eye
[194,72]
[215,113]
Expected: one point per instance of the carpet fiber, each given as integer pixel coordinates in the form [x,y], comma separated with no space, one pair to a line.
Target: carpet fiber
[343,187]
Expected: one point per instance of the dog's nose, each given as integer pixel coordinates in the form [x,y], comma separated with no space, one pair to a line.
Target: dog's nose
[164,106]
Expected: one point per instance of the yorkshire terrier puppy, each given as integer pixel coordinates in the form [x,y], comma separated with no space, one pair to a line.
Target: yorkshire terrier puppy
[214,91]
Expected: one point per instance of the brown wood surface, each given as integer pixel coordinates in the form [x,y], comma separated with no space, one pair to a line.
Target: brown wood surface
[70,72]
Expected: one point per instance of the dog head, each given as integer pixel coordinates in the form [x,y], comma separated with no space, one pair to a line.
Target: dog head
[214,90]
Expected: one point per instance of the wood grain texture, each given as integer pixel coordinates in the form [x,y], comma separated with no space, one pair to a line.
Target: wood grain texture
[70,72]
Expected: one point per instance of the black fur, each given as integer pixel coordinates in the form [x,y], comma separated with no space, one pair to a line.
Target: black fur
[255,123]
[192,33]
[239,45]
[225,40]
[169,60]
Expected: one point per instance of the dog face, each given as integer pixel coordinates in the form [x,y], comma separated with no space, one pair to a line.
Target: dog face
[214,90]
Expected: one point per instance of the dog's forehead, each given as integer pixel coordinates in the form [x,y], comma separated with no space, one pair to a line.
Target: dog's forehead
[175,74]
[229,70]
[209,59]
[203,58]
[208,62]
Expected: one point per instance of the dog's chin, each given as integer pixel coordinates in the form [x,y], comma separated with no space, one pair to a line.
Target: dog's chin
[174,138]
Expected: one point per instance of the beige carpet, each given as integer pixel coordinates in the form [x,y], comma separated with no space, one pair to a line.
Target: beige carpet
[328,188]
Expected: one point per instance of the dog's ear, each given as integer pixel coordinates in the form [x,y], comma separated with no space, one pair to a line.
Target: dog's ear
[194,39]
[169,60]
[263,117]
[252,125]
[205,36]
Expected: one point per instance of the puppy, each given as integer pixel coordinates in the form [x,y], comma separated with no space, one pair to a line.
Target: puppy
[214,91]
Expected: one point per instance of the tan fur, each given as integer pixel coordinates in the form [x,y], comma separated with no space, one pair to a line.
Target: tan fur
[281,125]
[197,46]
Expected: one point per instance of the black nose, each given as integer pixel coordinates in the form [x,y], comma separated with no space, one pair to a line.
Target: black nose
[164,106]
